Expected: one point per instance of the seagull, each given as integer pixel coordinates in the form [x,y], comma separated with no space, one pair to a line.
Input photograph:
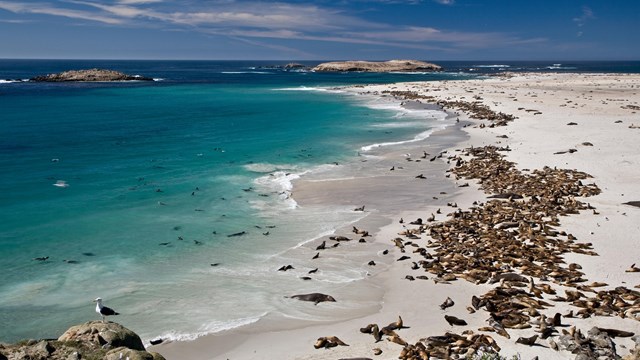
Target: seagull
[103,310]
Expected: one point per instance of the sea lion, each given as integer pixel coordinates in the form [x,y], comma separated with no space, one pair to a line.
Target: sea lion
[286,267]
[616,333]
[452,320]
[314,297]
[447,303]
[527,341]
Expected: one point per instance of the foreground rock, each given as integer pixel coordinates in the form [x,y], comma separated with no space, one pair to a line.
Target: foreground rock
[89,75]
[91,340]
[371,66]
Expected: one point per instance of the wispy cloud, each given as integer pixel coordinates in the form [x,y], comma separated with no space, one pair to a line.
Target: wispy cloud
[138,2]
[587,14]
[46,9]
[268,20]
[445,2]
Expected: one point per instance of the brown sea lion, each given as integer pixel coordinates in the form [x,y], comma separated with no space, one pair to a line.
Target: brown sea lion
[314,297]
[452,320]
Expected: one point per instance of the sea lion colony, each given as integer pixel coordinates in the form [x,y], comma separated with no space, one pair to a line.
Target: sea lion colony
[511,240]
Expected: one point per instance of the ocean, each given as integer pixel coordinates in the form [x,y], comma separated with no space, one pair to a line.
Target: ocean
[172,199]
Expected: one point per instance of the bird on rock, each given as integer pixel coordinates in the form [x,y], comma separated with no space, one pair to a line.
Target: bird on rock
[103,310]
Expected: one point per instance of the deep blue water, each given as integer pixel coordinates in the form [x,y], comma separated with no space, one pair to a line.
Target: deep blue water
[130,189]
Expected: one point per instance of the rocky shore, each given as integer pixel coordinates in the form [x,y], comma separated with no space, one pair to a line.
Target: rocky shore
[371,66]
[89,75]
[91,340]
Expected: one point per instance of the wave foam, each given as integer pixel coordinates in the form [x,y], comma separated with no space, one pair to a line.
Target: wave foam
[493,66]
[10,81]
[247,72]
[310,88]
[423,135]
[267,167]
[211,328]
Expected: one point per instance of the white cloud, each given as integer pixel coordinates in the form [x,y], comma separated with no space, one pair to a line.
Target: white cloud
[138,2]
[45,9]
[587,14]
[265,20]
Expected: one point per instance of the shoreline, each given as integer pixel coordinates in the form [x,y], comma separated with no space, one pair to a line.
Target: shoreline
[542,107]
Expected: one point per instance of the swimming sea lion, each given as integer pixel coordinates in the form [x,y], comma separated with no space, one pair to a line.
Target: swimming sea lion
[314,297]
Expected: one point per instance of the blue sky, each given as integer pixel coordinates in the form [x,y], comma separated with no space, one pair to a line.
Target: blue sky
[321,29]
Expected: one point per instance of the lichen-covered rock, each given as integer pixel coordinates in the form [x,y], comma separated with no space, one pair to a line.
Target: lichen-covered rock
[103,333]
[125,353]
[92,340]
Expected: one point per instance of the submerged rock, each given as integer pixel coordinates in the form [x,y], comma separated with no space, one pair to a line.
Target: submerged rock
[89,75]
[373,66]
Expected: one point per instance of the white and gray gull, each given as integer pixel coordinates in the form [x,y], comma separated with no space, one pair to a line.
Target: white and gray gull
[103,310]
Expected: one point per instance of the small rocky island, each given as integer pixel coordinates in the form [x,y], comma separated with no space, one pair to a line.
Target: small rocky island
[375,66]
[89,75]
[91,340]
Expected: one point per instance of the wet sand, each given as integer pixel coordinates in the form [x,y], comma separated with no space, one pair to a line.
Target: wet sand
[605,109]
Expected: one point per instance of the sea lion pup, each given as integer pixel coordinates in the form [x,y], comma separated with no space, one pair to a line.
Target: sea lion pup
[633,268]
[508,277]
[527,341]
[329,342]
[452,320]
[367,329]
[314,297]
[447,303]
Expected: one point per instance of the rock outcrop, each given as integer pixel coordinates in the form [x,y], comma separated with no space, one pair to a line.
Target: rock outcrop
[91,340]
[371,66]
[89,75]
[101,333]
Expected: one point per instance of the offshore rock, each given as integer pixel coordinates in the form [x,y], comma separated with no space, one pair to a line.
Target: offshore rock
[89,75]
[371,66]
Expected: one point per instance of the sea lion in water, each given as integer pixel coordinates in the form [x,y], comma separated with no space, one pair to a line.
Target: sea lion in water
[314,297]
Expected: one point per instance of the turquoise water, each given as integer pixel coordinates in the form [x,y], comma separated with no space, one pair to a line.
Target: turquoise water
[132,190]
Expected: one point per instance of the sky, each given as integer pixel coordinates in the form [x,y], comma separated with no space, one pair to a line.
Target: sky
[321,29]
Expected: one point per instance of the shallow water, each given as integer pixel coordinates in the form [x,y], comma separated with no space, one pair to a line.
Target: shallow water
[132,189]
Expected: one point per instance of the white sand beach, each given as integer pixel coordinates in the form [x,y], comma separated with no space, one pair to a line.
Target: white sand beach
[584,122]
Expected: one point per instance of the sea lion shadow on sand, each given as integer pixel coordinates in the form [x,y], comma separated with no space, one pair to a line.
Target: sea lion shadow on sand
[313,297]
